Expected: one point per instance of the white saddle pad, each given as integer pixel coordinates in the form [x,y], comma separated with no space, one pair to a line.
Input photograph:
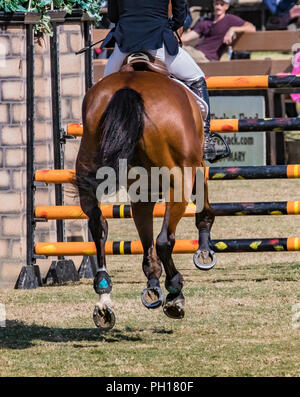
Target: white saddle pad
[202,104]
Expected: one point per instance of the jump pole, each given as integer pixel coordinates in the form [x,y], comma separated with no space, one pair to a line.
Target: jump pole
[212,173]
[29,276]
[111,211]
[228,125]
[252,82]
[181,247]
[61,270]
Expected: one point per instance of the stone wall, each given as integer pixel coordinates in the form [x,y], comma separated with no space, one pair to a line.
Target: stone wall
[12,152]
[13,138]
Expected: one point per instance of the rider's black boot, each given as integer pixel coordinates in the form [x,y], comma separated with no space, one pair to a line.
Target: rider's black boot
[211,153]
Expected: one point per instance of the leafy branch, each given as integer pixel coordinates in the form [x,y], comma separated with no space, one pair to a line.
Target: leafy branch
[91,7]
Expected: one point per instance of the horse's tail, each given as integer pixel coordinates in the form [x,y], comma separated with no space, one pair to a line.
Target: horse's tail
[121,126]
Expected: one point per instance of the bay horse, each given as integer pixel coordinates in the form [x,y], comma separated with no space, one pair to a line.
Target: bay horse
[151,121]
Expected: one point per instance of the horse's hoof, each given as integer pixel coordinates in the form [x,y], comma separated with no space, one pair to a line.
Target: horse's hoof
[152,298]
[204,260]
[104,318]
[174,307]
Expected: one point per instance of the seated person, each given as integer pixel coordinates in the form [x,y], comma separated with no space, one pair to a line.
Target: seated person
[217,33]
[283,11]
[279,7]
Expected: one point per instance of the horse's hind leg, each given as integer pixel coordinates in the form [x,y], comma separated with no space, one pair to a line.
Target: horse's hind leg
[152,296]
[204,257]
[103,315]
[174,306]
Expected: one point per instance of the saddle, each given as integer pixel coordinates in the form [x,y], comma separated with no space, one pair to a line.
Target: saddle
[144,61]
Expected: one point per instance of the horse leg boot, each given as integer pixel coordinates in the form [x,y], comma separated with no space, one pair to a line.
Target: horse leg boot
[211,154]
[204,257]
[174,306]
[103,315]
[152,296]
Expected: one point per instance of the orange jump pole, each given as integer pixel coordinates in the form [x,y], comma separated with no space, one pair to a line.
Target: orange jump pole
[237,82]
[54,176]
[252,82]
[109,211]
[124,210]
[111,248]
[211,173]
[181,247]
[230,125]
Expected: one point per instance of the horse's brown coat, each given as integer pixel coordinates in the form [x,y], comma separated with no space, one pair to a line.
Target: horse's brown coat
[172,137]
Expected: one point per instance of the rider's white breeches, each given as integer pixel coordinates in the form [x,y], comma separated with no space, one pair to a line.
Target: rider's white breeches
[181,65]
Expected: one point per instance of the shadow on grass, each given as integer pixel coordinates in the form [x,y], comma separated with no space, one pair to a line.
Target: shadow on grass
[18,335]
[155,330]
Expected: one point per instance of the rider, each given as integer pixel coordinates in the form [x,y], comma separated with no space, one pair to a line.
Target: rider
[144,25]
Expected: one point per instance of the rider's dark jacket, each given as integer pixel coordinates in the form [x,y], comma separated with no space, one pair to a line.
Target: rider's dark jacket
[144,25]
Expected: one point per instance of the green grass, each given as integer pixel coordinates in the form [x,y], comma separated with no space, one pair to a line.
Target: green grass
[238,319]
[234,326]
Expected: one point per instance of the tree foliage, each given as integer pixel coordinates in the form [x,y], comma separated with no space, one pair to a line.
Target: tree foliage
[91,7]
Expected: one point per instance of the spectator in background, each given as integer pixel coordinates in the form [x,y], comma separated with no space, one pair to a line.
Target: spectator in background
[216,33]
[283,11]
[188,20]
[279,7]
[296,70]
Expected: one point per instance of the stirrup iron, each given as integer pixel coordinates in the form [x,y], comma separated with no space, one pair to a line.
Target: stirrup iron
[211,153]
